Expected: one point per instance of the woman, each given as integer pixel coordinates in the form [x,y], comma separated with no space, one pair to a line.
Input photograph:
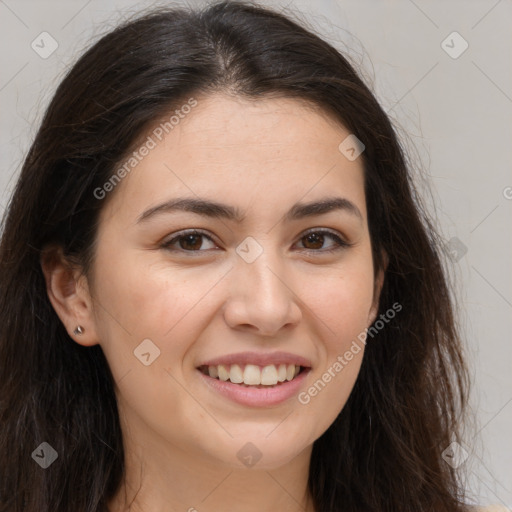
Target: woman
[219,289]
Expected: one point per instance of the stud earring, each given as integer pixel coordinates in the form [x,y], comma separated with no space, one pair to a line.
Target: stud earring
[79,330]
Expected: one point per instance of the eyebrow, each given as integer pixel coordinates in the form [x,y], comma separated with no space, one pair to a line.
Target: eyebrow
[213,209]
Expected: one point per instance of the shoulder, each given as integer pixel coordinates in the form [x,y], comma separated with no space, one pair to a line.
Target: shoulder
[490,508]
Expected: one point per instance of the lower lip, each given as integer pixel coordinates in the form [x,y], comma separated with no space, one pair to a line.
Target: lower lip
[257,397]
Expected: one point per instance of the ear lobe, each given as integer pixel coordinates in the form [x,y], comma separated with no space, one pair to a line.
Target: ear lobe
[68,293]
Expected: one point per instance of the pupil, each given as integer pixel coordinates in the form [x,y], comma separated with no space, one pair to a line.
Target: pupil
[316,238]
[190,238]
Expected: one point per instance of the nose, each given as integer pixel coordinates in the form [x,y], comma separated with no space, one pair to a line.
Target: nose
[262,298]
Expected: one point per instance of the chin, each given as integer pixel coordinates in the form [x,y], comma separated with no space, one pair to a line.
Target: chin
[257,452]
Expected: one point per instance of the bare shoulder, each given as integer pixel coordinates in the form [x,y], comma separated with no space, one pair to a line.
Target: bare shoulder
[491,508]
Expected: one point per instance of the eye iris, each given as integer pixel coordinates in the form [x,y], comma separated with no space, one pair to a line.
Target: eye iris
[190,238]
[316,238]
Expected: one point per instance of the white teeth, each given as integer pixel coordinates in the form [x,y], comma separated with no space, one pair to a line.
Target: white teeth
[223,372]
[281,374]
[254,375]
[235,374]
[269,375]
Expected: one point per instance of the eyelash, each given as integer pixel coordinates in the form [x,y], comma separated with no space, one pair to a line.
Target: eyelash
[341,244]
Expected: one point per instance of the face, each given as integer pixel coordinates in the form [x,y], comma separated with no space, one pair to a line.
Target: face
[280,293]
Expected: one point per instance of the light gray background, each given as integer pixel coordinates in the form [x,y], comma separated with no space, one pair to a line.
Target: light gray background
[454,112]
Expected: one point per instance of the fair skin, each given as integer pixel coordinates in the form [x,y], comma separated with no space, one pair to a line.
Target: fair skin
[202,300]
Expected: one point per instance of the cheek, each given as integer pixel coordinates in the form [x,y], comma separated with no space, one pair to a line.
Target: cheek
[147,300]
[166,305]
[342,302]
[344,314]
[327,393]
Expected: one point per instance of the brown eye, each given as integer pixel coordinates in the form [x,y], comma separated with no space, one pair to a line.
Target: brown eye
[191,242]
[187,242]
[314,241]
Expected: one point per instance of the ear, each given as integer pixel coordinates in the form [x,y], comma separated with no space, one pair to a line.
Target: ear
[377,288]
[69,295]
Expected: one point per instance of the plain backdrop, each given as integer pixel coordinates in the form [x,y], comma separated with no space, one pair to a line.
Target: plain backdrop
[442,70]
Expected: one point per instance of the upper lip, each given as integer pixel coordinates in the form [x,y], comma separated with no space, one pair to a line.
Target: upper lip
[259,359]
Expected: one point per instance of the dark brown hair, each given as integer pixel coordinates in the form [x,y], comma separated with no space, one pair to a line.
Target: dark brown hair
[383,451]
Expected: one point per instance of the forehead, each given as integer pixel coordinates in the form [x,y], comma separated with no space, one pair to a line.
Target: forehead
[243,150]
[262,127]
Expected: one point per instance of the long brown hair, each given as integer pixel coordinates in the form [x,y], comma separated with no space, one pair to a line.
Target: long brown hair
[384,450]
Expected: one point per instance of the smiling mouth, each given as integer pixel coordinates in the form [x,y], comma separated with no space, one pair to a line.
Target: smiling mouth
[251,375]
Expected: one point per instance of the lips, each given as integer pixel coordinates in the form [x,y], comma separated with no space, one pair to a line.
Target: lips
[257,395]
